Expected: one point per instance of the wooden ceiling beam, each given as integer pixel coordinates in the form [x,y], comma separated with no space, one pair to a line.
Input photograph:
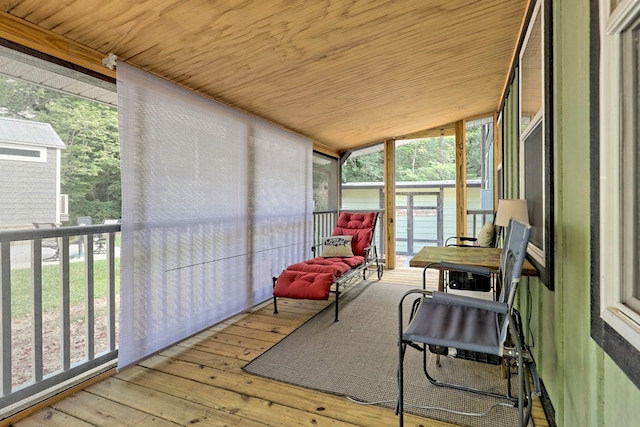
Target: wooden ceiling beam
[446,130]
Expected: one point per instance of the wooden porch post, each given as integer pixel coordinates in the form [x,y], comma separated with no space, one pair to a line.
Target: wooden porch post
[390,202]
[461,178]
[497,158]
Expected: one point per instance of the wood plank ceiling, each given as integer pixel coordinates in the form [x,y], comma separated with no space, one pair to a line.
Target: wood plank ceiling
[344,73]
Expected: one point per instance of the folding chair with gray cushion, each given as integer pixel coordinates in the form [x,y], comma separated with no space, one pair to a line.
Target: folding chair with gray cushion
[440,321]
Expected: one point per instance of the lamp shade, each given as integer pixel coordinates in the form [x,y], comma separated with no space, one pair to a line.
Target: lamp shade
[511,208]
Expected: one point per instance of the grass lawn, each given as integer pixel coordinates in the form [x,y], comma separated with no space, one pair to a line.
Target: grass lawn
[22,286]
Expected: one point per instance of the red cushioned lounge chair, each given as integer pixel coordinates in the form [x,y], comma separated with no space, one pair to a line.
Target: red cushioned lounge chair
[343,257]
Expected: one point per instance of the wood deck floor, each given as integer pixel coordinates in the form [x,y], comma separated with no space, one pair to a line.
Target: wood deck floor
[200,382]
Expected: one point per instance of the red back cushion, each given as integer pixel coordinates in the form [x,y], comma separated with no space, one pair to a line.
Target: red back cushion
[358,225]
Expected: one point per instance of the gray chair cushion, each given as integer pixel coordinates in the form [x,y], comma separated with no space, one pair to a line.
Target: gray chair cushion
[452,325]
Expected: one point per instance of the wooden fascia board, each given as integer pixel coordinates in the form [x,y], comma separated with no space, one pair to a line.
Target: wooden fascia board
[29,35]
[321,148]
[446,130]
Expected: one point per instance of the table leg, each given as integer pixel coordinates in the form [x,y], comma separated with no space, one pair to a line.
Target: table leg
[441,289]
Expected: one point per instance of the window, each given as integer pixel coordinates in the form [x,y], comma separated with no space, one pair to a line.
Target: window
[480,147]
[535,152]
[325,183]
[23,153]
[58,135]
[619,170]
[615,270]
[630,168]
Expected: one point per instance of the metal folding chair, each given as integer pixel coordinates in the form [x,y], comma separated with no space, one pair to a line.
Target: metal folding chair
[441,320]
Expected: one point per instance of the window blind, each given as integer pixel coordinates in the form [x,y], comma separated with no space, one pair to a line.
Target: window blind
[215,203]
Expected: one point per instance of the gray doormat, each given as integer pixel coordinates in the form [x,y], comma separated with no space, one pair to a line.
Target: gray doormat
[357,357]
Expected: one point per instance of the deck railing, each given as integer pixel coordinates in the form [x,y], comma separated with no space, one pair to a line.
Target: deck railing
[58,305]
[58,322]
[478,218]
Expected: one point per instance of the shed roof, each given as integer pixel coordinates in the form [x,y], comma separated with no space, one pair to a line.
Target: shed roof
[28,132]
[27,68]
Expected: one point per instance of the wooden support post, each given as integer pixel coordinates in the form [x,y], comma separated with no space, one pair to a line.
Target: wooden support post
[461,178]
[497,159]
[390,202]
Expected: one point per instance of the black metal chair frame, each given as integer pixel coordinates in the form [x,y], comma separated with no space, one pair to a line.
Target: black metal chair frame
[51,243]
[100,240]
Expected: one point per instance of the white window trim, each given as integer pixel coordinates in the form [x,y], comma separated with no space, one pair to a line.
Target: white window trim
[42,158]
[538,253]
[537,12]
[620,317]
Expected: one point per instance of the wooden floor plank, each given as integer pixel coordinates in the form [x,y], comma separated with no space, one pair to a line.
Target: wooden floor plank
[240,341]
[50,417]
[231,377]
[180,411]
[288,304]
[242,353]
[288,313]
[270,319]
[240,404]
[105,412]
[253,323]
[272,337]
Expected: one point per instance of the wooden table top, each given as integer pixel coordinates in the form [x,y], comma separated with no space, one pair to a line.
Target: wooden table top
[482,257]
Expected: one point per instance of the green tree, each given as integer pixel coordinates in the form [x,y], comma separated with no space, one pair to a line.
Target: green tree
[91,162]
[366,168]
[429,159]
[474,152]
[19,100]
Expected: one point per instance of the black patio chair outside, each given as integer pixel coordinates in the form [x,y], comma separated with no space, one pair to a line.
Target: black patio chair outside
[51,243]
[100,240]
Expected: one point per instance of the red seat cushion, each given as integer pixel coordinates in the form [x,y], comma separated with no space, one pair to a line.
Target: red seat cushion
[302,285]
[336,266]
[358,225]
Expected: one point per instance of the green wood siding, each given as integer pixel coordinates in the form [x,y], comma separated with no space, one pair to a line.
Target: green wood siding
[585,386]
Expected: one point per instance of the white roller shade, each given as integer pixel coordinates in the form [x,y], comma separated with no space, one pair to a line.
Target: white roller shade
[215,203]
